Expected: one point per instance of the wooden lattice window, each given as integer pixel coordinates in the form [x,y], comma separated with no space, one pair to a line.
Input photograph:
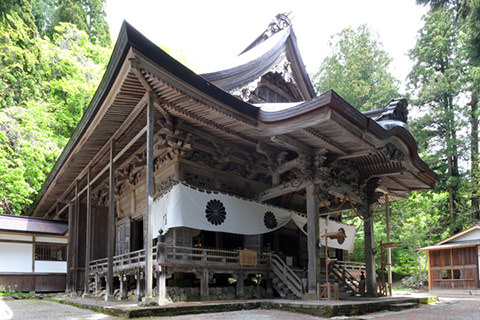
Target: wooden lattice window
[50,252]
[248,257]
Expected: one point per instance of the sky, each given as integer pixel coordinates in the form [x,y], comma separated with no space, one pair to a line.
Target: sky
[204,34]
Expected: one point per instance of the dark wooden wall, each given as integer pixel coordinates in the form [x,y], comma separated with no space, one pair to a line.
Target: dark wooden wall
[454,268]
[38,282]
[77,243]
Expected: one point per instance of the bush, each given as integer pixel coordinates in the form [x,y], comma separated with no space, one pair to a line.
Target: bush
[415,281]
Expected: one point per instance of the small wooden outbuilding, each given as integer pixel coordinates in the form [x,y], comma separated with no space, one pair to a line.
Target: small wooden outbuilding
[454,262]
[33,254]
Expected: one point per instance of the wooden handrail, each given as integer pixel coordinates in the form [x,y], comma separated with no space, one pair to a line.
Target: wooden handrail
[286,275]
[174,254]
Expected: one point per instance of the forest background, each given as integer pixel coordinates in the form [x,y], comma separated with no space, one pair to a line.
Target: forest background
[53,54]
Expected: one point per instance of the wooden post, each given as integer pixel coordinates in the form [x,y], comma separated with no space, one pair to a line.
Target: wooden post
[97,283]
[429,271]
[240,287]
[147,222]
[204,284]
[162,274]
[312,238]
[123,286]
[365,211]
[110,227]
[451,269]
[88,234]
[138,290]
[389,250]
[370,270]
[70,251]
[76,237]
[327,284]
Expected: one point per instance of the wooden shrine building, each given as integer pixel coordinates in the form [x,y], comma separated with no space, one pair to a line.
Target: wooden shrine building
[33,254]
[453,263]
[174,179]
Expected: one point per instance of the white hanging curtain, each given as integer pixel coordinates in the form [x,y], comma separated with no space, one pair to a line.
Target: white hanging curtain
[184,206]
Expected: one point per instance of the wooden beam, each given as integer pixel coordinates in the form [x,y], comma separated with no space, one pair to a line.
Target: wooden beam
[292,144]
[281,190]
[334,147]
[112,94]
[153,98]
[133,115]
[125,149]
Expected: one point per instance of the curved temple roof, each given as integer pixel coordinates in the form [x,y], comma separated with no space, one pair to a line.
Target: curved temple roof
[262,55]
[326,122]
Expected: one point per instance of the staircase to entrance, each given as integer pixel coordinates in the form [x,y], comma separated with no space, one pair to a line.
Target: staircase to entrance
[343,273]
[285,280]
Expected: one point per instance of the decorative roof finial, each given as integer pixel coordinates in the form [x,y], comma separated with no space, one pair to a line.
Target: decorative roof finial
[280,22]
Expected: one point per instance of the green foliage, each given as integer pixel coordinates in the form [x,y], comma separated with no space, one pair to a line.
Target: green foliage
[46,85]
[86,15]
[438,80]
[19,61]
[72,68]
[415,222]
[416,281]
[358,70]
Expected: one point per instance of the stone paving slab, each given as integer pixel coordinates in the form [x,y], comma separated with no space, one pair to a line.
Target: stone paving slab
[451,307]
[320,308]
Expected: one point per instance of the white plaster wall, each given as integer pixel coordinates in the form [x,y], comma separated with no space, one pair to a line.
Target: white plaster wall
[15,257]
[51,266]
[50,239]
[18,237]
[478,261]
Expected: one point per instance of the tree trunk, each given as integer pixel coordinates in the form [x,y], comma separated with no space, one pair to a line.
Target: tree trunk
[474,156]
[452,156]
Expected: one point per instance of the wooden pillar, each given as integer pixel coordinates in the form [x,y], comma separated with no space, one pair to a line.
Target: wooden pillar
[97,282]
[110,227]
[76,285]
[312,239]
[389,250]
[147,222]
[139,292]
[204,284]
[70,250]
[162,272]
[123,287]
[88,243]
[429,272]
[240,287]
[370,270]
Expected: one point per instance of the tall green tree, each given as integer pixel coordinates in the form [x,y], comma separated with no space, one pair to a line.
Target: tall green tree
[45,84]
[467,16]
[87,15]
[357,69]
[437,80]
